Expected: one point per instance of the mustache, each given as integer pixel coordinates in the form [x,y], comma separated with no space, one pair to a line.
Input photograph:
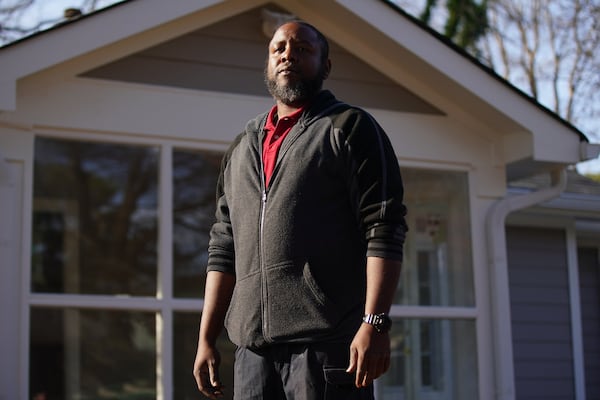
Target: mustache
[287,68]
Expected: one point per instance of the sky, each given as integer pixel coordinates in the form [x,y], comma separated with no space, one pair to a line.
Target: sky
[52,10]
[414,7]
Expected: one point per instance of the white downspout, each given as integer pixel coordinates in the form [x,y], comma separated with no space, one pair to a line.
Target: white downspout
[4,170]
[500,293]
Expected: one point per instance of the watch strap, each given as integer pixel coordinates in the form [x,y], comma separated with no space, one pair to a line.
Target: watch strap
[381,322]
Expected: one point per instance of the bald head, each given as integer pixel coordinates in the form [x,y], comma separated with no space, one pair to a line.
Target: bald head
[321,39]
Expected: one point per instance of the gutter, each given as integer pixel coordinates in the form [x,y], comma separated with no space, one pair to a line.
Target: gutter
[4,171]
[588,151]
[499,284]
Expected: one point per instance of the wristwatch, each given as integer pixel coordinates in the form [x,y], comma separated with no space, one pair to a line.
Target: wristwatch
[381,322]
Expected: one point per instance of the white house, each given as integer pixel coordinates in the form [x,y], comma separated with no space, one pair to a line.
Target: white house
[111,131]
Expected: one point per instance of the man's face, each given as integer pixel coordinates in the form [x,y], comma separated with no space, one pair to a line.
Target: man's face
[295,69]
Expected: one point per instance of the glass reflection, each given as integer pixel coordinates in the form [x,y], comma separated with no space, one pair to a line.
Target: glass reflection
[90,354]
[437,268]
[95,218]
[195,176]
[431,360]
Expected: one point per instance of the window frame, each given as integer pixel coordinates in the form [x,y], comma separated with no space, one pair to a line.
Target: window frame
[164,304]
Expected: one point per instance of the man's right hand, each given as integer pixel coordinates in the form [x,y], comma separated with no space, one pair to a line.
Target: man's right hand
[206,371]
[217,295]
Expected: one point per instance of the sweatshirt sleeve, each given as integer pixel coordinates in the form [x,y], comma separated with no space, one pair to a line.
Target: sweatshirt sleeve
[221,253]
[376,186]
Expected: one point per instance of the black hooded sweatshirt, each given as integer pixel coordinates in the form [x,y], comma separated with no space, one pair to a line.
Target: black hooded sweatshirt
[298,249]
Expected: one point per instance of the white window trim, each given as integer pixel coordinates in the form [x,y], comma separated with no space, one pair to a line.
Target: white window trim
[164,305]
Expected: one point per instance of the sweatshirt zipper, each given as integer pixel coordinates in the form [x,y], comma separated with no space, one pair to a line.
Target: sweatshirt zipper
[263,273]
[263,276]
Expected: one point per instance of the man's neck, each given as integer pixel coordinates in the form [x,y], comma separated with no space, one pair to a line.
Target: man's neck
[283,110]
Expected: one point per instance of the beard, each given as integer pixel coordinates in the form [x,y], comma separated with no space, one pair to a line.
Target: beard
[296,92]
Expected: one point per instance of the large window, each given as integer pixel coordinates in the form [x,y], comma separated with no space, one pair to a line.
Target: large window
[92,354]
[119,247]
[95,218]
[434,358]
[437,265]
[194,184]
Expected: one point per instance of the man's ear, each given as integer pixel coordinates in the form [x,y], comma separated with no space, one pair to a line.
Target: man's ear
[326,69]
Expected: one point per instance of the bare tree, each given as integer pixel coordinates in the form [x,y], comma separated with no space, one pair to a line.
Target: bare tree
[21,18]
[11,12]
[550,50]
[466,20]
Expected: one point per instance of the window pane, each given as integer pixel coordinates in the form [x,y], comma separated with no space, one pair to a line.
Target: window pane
[185,340]
[90,354]
[437,266]
[431,360]
[194,182]
[94,218]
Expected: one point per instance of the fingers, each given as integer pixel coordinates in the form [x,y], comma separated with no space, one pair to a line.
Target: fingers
[368,363]
[214,379]
[207,379]
[208,385]
[386,364]
[353,355]
[371,368]
[362,369]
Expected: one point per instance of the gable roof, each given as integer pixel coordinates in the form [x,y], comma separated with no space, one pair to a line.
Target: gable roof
[395,7]
[394,43]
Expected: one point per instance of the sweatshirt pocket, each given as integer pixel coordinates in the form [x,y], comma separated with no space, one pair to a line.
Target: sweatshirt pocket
[243,318]
[296,306]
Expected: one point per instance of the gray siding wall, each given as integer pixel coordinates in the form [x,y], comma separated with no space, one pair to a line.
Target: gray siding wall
[589,281]
[229,56]
[537,264]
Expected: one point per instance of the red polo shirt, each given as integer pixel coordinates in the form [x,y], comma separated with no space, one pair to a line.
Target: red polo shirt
[275,133]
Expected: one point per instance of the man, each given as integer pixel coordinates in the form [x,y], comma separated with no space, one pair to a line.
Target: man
[305,254]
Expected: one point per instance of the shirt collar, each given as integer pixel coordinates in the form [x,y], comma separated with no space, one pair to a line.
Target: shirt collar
[271,118]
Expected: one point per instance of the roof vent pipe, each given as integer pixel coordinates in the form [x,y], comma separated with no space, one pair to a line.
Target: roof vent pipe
[499,285]
[72,13]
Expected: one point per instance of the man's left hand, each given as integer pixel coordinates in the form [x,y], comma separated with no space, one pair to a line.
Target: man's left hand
[369,355]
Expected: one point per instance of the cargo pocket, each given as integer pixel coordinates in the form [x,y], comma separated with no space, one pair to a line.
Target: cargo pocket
[340,385]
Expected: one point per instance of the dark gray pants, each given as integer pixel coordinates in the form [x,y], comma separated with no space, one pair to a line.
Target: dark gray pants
[296,372]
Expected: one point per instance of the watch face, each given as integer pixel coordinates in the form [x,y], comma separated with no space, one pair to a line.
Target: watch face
[384,323]
[381,322]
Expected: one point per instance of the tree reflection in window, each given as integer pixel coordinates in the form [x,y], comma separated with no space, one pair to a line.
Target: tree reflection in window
[92,354]
[106,197]
[195,176]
